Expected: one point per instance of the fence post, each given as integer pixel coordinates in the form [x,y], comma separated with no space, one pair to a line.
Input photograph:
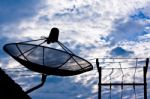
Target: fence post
[145,68]
[100,74]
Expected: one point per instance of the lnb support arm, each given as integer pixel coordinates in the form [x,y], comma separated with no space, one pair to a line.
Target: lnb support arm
[43,79]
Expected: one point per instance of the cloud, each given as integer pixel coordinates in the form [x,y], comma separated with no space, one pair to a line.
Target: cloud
[90,28]
[118,51]
[128,30]
[145,11]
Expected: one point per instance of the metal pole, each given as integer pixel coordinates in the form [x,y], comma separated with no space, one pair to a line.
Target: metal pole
[145,68]
[43,79]
[145,83]
[99,84]
[146,64]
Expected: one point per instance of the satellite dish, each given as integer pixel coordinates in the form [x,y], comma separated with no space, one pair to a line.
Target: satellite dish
[47,60]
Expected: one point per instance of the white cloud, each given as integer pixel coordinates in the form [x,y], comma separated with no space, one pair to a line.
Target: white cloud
[82,24]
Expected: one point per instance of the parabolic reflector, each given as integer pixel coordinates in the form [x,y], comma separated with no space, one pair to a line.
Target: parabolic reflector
[47,60]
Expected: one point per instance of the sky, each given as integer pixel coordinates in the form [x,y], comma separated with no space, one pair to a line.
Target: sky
[90,28]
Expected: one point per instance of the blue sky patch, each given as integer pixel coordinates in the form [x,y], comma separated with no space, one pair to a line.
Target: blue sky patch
[139,15]
[16,10]
[91,29]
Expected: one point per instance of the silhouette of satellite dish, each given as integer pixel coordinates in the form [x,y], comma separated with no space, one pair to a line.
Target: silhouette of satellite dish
[47,60]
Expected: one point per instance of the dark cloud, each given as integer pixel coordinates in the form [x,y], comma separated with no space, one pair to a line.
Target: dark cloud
[118,51]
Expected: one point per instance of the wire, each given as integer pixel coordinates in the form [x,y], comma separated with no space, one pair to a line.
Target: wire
[65,48]
[112,58]
[21,52]
[122,91]
[108,74]
[123,75]
[43,57]
[110,81]
[33,40]
[135,70]
[122,81]
[31,49]
[134,77]
[110,87]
